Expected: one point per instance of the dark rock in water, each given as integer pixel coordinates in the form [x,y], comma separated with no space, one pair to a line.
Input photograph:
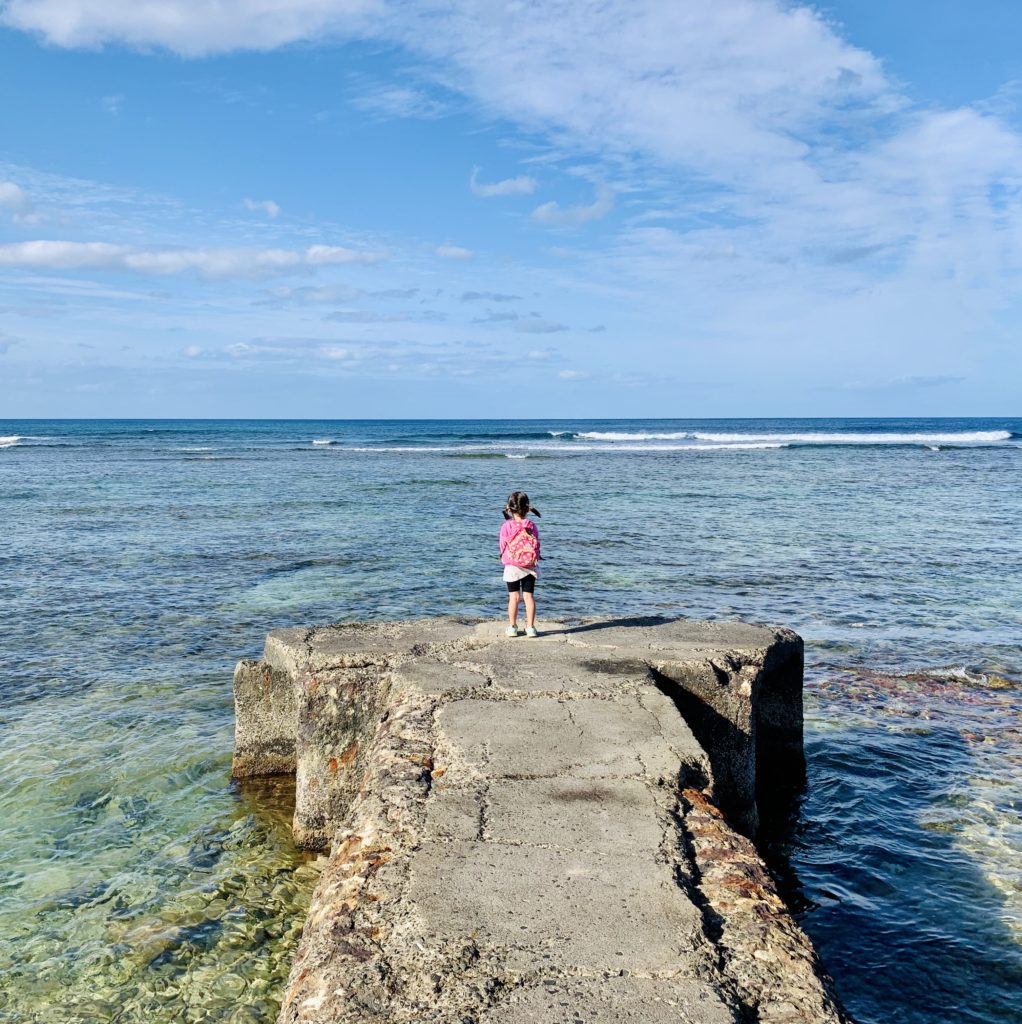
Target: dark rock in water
[188,940]
[137,810]
[88,892]
[193,773]
[121,908]
[207,850]
[89,805]
[11,880]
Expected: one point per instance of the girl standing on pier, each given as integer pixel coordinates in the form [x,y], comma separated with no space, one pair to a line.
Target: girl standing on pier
[519,551]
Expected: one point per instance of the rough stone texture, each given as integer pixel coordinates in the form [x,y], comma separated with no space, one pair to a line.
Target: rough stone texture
[761,947]
[339,710]
[266,720]
[528,830]
[621,1000]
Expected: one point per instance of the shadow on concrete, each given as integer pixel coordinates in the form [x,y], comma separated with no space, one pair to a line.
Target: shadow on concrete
[726,746]
[631,621]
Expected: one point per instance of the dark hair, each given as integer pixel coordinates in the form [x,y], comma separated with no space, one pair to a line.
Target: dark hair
[518,505]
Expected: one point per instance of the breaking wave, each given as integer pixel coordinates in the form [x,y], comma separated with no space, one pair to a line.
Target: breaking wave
[821,437]
[498,450]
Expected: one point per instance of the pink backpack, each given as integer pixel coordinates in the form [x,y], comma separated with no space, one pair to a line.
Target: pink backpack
[523,548]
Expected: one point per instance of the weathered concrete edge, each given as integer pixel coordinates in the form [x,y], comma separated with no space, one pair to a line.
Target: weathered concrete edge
[761,946]
[744,707]
[358,904]
[265,720]
[359,896]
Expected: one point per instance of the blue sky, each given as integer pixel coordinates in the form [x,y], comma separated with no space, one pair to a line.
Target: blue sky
[349,208]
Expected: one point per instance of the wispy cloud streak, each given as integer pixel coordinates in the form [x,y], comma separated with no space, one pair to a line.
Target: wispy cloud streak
[522,185]
[210,263]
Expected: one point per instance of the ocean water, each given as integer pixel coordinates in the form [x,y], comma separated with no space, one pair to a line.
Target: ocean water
[141,559]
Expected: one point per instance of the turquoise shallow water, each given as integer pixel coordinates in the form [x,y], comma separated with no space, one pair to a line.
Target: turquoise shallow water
[141,559]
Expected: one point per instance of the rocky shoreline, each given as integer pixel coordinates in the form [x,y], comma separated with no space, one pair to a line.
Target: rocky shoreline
[540,830]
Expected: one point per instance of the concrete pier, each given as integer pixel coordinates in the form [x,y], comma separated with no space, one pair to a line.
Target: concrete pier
[549,830]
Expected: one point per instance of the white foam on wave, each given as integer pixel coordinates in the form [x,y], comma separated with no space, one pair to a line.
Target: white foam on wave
[740,447]
[944,673]
[324,440]
[819,437]
[421,448]
[598,435]
[11,440]
[202,449]
[479,449]
[464,449]
[872,437]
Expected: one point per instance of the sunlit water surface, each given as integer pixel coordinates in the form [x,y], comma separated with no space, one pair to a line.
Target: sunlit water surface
[140,560]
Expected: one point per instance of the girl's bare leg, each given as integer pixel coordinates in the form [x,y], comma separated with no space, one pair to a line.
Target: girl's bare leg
[530,610]
[512,607]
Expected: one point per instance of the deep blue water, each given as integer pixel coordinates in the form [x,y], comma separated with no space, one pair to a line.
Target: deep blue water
[141,559]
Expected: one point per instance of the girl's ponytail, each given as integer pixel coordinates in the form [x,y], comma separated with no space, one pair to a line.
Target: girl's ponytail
[518,505]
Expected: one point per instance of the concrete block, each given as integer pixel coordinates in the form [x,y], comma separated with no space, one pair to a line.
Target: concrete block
[265,720]
[621,1000]
[535,738]
[567,909]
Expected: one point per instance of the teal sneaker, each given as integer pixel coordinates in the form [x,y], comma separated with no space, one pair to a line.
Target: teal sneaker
[512,631]
[531,631]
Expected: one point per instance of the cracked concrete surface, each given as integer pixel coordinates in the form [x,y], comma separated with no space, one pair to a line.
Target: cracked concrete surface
[529,830]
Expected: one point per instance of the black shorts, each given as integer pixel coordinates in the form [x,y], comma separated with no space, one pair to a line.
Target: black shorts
[526,585]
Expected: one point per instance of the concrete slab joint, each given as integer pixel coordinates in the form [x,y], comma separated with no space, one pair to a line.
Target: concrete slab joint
[551,830]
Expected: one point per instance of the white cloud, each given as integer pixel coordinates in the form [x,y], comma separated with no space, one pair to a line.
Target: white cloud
[311,296]
[489,296]
[12,196]
[751,96]
[706,84]
[365,316]
[571,216]
[496,317]
[539,326]
[338,352]
[322,254]
[523,185]
[191,28]
[399,101]
[454,252]
[208,263]
[803,195]
[573,375]
[409,358]
[112,104]
[909,382]
[267,206]
[14,199]
[394,293]
[194,351]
